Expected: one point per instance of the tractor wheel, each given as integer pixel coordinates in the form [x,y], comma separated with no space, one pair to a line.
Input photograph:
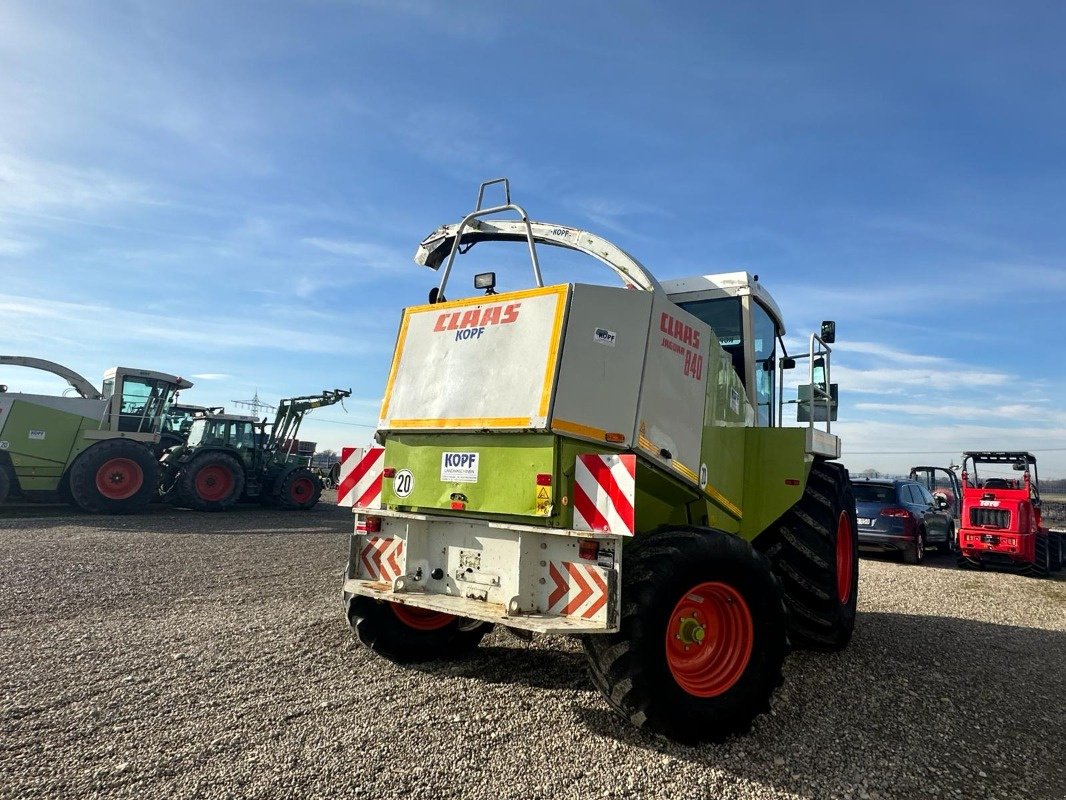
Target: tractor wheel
[116,476]
[5,484]
[1040,567]
[410,635]
[212,481]
[702,636]
[300,489]
[915,553]
[1055,547]
[814,549]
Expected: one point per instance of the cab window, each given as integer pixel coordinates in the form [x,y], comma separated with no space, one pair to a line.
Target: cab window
[765,365]
[724,317]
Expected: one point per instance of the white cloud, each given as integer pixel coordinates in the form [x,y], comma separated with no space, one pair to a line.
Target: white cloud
[33,185]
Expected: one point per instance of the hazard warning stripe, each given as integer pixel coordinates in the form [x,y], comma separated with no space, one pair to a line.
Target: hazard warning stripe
[362,487]
[579,588]
[379,558]
[604,493]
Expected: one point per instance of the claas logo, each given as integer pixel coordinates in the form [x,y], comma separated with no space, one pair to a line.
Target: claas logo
[471,324]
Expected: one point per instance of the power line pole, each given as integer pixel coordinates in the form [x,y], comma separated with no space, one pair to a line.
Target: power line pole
[255,404]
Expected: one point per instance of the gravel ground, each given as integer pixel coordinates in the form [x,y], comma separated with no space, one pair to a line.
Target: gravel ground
[197,655]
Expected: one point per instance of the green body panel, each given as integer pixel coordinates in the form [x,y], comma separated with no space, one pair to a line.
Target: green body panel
[39,464]
[775,475]
[508,466]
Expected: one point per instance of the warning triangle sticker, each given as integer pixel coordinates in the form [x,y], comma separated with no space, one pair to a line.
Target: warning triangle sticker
[542,493]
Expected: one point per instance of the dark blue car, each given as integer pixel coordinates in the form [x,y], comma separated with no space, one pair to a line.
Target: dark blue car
[901,516]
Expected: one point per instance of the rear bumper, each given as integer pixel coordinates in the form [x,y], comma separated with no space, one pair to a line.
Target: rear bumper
[884,542]
[997,545]
[532,578]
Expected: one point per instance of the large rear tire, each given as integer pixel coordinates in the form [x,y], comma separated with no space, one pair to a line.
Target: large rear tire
[299,489]
[211,481]
[1055,546]
[410,635]
[1040,567]
[702,636]
[115,476]
[814,549]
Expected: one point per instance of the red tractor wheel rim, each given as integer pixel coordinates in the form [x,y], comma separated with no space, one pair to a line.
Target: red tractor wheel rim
[421,619]
[709,639]
[214,483]
[302,489]
[844,558]
[119,478]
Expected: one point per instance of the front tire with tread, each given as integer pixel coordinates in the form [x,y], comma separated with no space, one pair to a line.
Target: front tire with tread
[115,476]
[804,547]
[300,489]
[211,481]
[634,669]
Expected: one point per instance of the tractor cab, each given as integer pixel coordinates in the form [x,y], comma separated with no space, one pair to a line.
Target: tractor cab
[138,399]
[224,430]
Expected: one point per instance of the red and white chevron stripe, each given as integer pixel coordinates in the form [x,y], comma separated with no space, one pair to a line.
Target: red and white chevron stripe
[360,480]
[580,590]
[380,558]
[604,493]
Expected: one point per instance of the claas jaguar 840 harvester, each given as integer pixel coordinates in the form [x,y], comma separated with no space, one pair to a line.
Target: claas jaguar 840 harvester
[608,463]
[97,449]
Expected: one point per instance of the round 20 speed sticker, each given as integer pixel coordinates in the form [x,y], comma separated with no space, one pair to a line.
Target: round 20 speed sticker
[403,483]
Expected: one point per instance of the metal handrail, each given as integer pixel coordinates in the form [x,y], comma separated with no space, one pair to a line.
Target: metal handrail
[819,394]
[480,212]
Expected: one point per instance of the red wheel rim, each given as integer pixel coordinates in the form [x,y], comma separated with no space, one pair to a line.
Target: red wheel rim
[302,490]
[709,639]
[421,619]
[844,557]
[214,482]
[119,478]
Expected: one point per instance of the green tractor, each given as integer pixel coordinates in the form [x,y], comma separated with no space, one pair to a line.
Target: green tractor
[229,457]
[96,448]
[608,463]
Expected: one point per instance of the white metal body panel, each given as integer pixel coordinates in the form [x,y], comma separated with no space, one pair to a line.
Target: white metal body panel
[674,390]
[473,364]
[602,361]
[516,575]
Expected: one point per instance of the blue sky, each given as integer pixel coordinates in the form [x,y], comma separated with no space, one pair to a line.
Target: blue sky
[233,192]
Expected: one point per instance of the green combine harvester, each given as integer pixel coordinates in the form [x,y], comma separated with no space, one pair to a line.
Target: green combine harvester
[608,463]
[96,448]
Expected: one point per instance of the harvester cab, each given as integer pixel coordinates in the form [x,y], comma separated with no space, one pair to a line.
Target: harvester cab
[586,459]
[1001,516]
[96,449]
[229,457]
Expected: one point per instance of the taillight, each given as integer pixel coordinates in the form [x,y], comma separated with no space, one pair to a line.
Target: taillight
[892,511]
[588,549]
[544,479]
[373,524]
